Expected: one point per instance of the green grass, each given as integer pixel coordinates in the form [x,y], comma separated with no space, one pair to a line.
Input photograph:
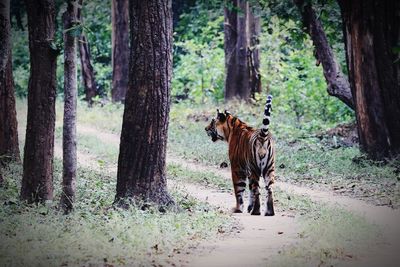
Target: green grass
[177,172]
[95,233]
[329,235]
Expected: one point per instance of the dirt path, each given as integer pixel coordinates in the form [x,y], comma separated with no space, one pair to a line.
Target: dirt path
[259,239]
[259,235]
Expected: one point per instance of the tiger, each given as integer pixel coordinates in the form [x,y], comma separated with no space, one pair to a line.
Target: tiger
[251,154]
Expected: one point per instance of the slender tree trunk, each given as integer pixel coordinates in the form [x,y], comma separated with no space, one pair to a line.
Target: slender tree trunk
[230,40]
[254,54]
[338,85]
[70,99]
[372,30]
[9,148]
[141,162]
[120,49]
[4,32]
[16,10]
[37,181]
[241,56]
[88,74]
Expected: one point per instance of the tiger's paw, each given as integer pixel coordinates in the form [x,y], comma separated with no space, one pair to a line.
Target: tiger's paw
[256,212]
[269,213]
[249,208]
[236,210]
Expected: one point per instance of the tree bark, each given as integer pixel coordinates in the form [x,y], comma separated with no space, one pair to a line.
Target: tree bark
[37,181]
[9,147]
[120,49]
[254,54]
[241,57]
[88,75]
[372,30]
[230,40]
[70,102]
[338,85]
[141,162]
[4,32]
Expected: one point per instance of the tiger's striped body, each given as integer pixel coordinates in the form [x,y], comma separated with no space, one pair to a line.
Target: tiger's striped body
[251,153]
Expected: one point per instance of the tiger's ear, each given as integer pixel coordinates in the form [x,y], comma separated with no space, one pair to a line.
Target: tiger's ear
[220,116]
[227,113]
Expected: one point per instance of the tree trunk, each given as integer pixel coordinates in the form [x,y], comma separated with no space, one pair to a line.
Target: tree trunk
[120,49]
[372,31]
[230,40]
[338,85]
[1,178]
[4,32]
[70,99]
[254,54]
[241,57]
[141,162]
[88,75]
[16,10]
[9,148]
[37,181]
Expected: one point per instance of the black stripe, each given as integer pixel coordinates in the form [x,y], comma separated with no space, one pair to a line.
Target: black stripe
[265,121]
[233,121]
[267,113]
[270,164]
[242,184]
[240,191]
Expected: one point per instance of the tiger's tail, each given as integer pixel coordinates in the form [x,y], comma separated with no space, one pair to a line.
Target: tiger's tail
[267,114]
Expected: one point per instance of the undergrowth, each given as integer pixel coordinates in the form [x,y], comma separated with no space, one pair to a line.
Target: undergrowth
[95,233]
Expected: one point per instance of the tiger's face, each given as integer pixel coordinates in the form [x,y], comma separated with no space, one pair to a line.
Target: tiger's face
[216,128]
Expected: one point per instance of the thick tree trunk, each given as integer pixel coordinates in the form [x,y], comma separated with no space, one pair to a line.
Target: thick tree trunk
[70,99]
[141,162]
[37,181]
[120,49]
[241,57]
[372,30]
[88,75]
[338,85]
[9,147]
[254,54]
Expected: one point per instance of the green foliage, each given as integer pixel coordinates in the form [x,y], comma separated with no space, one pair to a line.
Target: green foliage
[199,55]
[297,84]
[21,67]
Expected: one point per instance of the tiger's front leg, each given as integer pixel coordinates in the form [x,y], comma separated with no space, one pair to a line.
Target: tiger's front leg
[239,185]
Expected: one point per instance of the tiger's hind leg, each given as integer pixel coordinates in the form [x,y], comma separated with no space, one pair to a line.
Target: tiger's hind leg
[254,199]
[269,181]
[239,185]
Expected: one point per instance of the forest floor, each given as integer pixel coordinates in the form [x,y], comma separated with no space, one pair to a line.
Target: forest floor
[314,225]
[259,240]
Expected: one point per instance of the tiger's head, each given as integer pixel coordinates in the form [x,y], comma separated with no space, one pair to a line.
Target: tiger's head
[218,126]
